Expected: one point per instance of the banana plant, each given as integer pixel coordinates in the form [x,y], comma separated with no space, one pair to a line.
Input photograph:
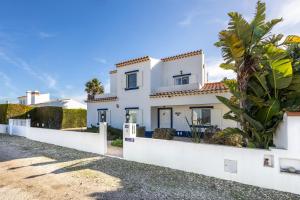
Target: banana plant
[268,75]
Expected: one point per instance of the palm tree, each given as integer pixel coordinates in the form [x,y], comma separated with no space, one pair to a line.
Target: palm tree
[241,45]
[93,87]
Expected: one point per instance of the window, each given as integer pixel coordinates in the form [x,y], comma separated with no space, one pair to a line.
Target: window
[182,80]
[131,115]
[131,80]
[201,116]
[102,115]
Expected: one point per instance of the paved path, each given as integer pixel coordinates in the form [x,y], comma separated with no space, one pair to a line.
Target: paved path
[33,170]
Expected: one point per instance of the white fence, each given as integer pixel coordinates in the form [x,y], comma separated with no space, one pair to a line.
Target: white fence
[84,141]
[263,168]
[3,128]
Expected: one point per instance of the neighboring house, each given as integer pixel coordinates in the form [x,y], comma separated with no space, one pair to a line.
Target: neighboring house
[42,100]
[34,97]
[161,93]
[64,103]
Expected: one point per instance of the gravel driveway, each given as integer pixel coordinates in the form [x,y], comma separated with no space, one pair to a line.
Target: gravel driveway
[33,170]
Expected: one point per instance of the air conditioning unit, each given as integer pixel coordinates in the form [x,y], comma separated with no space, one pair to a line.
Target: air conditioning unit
[129,130]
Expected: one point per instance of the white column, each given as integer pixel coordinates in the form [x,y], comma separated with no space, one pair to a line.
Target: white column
[103,137]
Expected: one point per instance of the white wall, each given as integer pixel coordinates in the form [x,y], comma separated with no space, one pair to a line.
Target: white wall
[208,160]
[187,65]
[113,83]
[3,129]
[83,141]
[288,133]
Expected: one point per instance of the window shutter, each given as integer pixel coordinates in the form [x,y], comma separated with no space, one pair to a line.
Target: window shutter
[140,78]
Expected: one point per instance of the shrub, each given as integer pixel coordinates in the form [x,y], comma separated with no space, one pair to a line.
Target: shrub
[140,131]
[114,133]
[117,143]
[228,137]
[8,111]
[164,133]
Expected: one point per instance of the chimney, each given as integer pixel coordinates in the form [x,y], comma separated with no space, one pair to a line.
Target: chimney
[28,97]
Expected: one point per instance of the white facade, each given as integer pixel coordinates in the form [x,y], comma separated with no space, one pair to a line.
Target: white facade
[34,97]
[162,93]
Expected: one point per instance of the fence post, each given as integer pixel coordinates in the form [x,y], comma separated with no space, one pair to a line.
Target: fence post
[10,126]
[103,137]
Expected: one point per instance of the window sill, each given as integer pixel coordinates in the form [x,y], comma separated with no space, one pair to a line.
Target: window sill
[135,88]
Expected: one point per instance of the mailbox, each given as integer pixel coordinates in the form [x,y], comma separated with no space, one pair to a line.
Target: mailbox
[129,130]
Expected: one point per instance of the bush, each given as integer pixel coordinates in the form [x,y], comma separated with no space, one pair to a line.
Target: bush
[8,111]
[117,143]
[226,137]
[114,133]
[164,133]
[140,131]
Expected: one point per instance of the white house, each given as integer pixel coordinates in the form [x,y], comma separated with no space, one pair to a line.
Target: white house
[161,93]
[64,103]
[34,97]
[37,99]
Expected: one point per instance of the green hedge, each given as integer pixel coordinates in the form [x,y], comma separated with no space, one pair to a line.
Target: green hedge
[58,118]
[50,117]
[73,118]
[13,111]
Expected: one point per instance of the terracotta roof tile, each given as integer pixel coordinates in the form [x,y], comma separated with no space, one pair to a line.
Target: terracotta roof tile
[208,88]
[133,61]
[184,55]
[104,99]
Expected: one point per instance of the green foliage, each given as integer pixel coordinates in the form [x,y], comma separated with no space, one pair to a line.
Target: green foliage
[114,133]
[57,117]
[229,136]
[268,75]
[51,117]
[73,118]
[117,143]
[94,87]
[164,133]
[47,117]
[8,111]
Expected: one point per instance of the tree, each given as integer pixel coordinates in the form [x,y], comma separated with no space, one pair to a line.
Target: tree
[93,87]
[268,79]
[241,46]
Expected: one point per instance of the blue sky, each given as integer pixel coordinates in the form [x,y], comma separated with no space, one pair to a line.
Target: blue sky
[57,45]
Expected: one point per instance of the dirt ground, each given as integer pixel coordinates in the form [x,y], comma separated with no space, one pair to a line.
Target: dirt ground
[33,170]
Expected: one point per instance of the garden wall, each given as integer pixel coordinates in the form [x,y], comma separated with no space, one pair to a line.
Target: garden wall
[83,141]
[3,128]
[258,167]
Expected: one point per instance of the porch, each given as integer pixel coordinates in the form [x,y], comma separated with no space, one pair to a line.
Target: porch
[181,117]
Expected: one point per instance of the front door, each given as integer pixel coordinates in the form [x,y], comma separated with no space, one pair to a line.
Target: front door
[165,118]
